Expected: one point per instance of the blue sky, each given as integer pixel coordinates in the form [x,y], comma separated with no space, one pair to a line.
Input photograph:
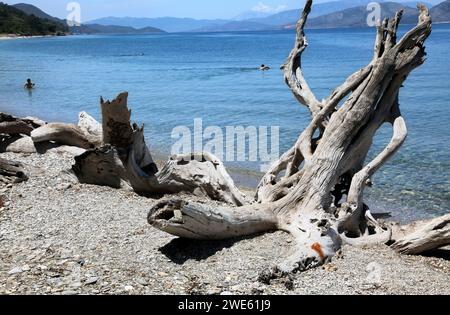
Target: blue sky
[91,9]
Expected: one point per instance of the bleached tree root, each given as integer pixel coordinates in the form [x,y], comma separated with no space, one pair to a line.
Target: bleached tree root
[202,222]
[316,241]
[315,191]
[433,235]
[124,161]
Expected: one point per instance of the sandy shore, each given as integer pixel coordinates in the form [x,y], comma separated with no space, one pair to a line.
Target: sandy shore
[8,37]
[62,238]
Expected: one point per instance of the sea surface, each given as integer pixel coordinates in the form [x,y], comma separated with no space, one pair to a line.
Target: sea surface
[173,79]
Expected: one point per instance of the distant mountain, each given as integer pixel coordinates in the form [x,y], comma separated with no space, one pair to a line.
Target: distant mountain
[235,26]
[32,10]
[274,21]
[250,20]
[87,29]
[281,18]
[321,9]
[113,29]
[318,9]
[441,12]
[413,4]
[248,15]
[15,21]
[434,2]
[357,17]
[168,24]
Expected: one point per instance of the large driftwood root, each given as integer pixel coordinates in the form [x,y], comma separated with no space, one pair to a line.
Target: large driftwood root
[315,191]
[316,241]
[124,161]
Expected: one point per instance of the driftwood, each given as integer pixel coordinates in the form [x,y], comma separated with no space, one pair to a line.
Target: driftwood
[429,236]
[11,172]
[64,134]
[13,125]
[315,191]
[125,161]
[211,223]
[27,146]
[31,135]
[91,129]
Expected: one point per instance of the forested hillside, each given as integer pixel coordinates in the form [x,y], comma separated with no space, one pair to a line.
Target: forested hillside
[15,21]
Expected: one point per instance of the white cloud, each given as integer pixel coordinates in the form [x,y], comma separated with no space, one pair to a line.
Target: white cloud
[264,8]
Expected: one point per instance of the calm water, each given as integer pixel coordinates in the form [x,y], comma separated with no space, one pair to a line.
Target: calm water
[173,79]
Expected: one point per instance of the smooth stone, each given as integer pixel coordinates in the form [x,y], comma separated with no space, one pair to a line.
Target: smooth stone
[128,288]
[15,271]
[92,280]
[142,282]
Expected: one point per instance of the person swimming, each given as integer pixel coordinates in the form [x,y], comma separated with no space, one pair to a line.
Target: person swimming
[264,67]
[29,85]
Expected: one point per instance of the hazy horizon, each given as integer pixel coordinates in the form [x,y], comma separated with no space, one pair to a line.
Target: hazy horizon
[197,9]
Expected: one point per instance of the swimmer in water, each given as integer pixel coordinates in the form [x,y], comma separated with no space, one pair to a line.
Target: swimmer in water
[29,85]
[264,67]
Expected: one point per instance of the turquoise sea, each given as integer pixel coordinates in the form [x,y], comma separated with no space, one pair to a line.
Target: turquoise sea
[173,79]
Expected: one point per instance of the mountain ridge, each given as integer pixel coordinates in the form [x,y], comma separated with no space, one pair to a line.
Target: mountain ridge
[33,10]
[168,24]
[441,12]
[17,22]
[357,16]
[113,29]
[281,20]
[86,29]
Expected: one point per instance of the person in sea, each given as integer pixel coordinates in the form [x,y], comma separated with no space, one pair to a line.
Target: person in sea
[29,85]
[264,67]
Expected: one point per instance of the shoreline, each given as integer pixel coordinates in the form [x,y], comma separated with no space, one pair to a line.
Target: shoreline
[247,179]
[12,36]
